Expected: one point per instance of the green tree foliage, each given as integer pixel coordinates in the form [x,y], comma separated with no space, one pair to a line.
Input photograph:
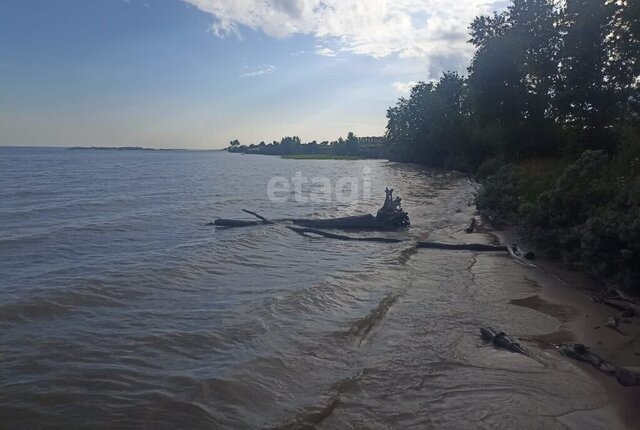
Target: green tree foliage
[513,76]
[353,146]
[430,126]
[550,82]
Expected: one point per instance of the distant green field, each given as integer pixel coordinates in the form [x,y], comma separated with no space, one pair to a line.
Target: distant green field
[321,157]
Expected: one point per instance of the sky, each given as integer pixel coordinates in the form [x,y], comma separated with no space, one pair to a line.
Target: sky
[199,73]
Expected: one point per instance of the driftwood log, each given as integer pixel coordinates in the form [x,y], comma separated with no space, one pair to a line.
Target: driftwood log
[628,376]
[581,353]
[472,225]
[307,230]
[502,340]
[391,212]
[221,222]
[358,222]
[623,305]
[463,246]
[390,216]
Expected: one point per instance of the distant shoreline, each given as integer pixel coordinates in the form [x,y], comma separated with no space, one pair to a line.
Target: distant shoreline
[323,157]
[116,148]
[132,148]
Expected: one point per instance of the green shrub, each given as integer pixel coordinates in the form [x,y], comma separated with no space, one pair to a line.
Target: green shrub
[498,198]
[591,218]
[610,238]
[489,167]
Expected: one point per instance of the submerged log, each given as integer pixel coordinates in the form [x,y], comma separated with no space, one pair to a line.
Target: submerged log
[581,353]
[221,222]
[358,222]
[306,230]
[502,340]
[462,246]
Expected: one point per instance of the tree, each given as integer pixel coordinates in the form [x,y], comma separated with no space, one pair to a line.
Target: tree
[588,100]
[513,76]
[431,126]
[351,144]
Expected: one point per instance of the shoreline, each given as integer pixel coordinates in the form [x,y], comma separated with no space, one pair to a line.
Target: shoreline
[581,320]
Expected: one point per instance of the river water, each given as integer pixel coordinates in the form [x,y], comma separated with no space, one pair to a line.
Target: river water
[120,308]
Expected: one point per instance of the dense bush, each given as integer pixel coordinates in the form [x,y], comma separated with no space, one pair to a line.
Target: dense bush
[610,238]
[558,214]
[590,216]
[499,198]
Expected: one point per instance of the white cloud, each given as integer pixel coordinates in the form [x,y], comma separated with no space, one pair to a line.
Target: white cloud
[377,28]
[264,69]
[325,52]
[404,87]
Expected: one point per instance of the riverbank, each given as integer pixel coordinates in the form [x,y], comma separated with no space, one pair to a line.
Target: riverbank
[564,294]
[322,157]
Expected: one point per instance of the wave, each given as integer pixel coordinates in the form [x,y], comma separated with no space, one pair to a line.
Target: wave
[363,326]
[312,416]
[61,303]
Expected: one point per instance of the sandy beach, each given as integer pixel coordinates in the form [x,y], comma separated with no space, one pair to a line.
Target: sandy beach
[565,295]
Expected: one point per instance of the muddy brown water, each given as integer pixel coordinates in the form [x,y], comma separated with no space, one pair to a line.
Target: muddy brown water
[120,309]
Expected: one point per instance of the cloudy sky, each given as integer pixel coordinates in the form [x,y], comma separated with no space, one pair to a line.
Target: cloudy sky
[198,73]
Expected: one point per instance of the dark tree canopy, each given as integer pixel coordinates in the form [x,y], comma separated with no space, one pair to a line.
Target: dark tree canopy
[548,118]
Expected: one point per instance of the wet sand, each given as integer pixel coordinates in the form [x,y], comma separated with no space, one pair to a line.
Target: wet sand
[584,321]
[421,362]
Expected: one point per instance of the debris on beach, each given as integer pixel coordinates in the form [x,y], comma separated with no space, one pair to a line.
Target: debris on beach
[472,225]
[613,322]
[581,353]
[502,340]
[628,376]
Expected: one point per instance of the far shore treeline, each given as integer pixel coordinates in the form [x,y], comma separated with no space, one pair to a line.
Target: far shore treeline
[352,146]
[547,118]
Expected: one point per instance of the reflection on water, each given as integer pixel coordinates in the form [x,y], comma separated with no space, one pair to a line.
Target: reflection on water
[121,309]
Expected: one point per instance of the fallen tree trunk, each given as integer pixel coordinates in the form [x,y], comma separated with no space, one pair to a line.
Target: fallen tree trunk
[581,353]
[389,217]
[221,222]
[358,222]
[502,340]
[623,305]
[306,230]
[628,376]
[463,246]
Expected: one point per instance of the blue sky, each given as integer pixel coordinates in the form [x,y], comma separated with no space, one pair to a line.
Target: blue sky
[198,73]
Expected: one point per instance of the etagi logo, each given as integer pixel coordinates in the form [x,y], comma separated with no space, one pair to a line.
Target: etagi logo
[302,189]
